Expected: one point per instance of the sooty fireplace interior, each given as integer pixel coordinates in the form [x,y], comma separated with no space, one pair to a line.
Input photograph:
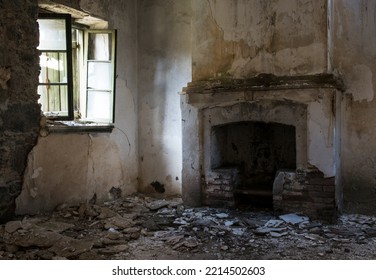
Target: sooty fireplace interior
[266,141]
[254,151]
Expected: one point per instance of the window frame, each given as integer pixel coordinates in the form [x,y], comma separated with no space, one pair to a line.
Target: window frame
[68,36]
[82,93]
[112,62]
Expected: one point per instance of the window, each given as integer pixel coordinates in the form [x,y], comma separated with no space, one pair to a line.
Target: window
[77,77]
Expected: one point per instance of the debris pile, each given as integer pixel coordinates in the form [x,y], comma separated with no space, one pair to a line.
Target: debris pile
[141,227]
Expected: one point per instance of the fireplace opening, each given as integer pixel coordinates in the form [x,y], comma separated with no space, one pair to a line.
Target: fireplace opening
[254,151]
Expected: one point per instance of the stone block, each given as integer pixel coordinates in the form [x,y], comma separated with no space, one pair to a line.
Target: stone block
[20,111]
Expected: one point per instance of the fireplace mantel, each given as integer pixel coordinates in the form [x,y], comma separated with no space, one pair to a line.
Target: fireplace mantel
[308,103]
[197,91]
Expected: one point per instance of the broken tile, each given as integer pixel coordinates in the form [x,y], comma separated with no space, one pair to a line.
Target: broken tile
[264,230]
[12,226]
[221,215]
[118,222]
[114,249]
[273,223]
[277,234]
[113,234]
[180,221]
[55,226]
[36,238]
[68,247]
[229,223]
[168,233]
[370,232]
[293,219]
[238,231]
[314,237]
[157,204]
[191,242]
[106,213]
[173,240]
[131,230]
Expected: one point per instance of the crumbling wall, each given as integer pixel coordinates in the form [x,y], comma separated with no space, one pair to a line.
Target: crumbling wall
[305,192]
[19,110]
[354,54]
[241,38]
[73,167]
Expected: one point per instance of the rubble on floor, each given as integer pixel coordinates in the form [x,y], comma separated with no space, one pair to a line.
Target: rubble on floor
[141,227]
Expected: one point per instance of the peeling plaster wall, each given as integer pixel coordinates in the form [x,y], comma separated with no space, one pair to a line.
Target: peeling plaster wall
[320,134]
[71,167]
[91,166]
[164,60]
[354,57]
[241,38]
[162,45]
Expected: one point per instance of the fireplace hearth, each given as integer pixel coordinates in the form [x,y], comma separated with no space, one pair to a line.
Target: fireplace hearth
[262,142]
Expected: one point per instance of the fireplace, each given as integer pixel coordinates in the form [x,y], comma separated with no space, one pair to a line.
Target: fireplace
[266,141]
[254,151]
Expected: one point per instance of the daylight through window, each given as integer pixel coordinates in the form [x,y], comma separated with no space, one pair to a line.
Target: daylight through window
[77,77]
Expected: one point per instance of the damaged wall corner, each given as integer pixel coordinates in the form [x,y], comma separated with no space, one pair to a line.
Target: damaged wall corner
[19,110]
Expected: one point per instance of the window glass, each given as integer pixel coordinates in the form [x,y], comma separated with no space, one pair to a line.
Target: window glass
[99,105]
[100,75]
[100,46]
[55,81]
[53,67]
[100,65]
[77,69]
[54,100]
[52,34]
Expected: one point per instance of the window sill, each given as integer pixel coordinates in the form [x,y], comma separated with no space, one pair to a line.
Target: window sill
[77,127]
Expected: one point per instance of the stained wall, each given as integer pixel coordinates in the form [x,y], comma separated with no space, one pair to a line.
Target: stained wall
[240,38]
[19,111]
[165,44]
[164,63]
[74,167]
[354,56]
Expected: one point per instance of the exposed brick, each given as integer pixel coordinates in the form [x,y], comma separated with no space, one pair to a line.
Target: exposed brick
[315,188]
[322,194]
[330,188]
[325,200]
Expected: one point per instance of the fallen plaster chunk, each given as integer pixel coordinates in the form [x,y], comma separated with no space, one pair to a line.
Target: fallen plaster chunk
[273,223]
[222,215]
[293,219]
[277,234]
[158,204]
[12,226]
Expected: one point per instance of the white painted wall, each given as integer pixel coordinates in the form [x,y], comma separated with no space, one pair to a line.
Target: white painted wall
[164,61]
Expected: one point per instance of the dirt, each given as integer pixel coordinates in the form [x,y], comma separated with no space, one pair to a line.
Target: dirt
[142,227]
